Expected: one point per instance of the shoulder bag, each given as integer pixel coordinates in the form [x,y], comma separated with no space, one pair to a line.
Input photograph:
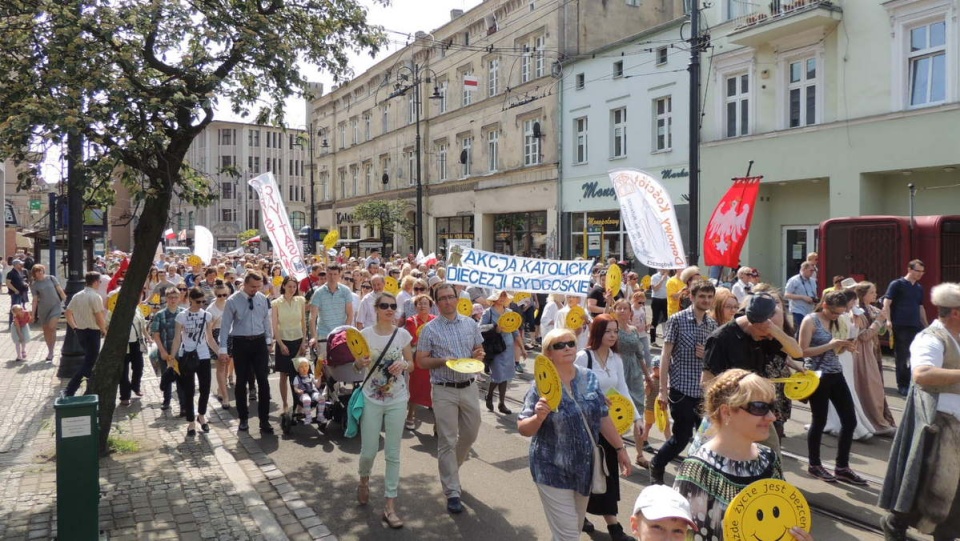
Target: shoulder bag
[356,403]
[493,343]
[598,481]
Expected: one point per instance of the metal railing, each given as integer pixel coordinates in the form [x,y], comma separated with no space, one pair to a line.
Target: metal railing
[778,9]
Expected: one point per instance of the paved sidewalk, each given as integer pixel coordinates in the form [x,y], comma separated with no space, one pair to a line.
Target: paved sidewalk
[213,486]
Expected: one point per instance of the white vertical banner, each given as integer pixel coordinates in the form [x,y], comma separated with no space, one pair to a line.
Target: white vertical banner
[649,218]
[203,243]
[277,223]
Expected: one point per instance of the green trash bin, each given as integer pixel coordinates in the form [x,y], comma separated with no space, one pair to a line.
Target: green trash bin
[78,467]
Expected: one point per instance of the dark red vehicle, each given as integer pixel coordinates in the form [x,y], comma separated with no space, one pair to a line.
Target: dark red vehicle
[878,248]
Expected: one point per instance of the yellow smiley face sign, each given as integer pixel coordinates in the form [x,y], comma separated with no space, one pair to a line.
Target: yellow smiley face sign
[391,286]
[521,296]
[465,366]
[660,415]
[112,302]
[145,310]
[277,280]
[576,317]
[330,239]
[765,511]
[510,322]
[155,299]
[621,411]
[464,307]
[800,385]
[548,381]
[614,279]
[357,344]
[194,260]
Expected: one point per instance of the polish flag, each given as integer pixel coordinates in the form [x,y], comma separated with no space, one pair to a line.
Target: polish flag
[169,234]
[470,83]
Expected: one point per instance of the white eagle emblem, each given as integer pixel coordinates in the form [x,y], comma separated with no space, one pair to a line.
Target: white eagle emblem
[726,227]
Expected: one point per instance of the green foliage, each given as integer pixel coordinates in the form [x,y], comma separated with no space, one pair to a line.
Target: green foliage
[248,234]
[122,446]
[389,216]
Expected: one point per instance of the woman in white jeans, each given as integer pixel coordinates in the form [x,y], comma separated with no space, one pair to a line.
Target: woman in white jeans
[385,402]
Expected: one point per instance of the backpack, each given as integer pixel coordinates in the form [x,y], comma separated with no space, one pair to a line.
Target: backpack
[338,352]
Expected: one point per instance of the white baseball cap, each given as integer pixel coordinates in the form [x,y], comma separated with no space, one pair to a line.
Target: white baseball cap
[658,502]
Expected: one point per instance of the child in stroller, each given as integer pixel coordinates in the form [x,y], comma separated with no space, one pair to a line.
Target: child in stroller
[339,373]
[305,389]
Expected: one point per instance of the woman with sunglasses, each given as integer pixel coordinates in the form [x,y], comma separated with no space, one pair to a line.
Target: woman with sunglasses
[409,307]
[820,349]
[221,292]
[289,322]
[420,377]
[561,451]
[194,332]
[601,357]
[385,405]
[739,405]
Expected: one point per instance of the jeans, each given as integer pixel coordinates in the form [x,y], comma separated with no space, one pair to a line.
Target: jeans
[833,388]
[250,360]
[685,413]
[134,361]
[659,309]
[902,338]
[168,379]
[390,417]
[202,373]
[457,412]
[90,342]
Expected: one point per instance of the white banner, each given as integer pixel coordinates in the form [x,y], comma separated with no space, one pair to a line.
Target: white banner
[469,266]
[203,243]
[277,224]
[650,219]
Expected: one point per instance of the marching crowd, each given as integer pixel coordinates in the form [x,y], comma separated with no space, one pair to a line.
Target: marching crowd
[722,344]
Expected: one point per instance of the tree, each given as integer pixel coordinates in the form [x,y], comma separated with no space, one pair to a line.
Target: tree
[390,217]
[138,80]
[244,236]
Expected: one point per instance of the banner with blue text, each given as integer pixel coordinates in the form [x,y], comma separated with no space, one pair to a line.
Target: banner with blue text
[472,267]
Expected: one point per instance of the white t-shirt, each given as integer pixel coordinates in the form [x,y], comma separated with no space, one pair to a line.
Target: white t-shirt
[927,350]
[549,318]
[190,337]
[613,377]
[217,314]
[383,387]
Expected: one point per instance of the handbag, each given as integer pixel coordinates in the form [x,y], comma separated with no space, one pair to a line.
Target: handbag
[598,481]
[356,403]
[190,360]
[493,343]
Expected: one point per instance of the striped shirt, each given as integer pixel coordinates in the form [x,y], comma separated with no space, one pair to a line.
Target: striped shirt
[685,333]
[332,308]
[444,338]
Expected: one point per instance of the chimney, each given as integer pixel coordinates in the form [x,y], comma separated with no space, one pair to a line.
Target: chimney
[455,13]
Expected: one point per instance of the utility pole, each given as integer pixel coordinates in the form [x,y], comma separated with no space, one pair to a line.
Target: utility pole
[416,99]
[694,179]
[313,197]
[71,355]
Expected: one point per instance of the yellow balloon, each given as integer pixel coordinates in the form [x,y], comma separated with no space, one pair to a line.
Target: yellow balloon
[465,307]
[614,279]
[621,411]
[357,344]
[510,322]
[548,381]
[390,285]
[766,509]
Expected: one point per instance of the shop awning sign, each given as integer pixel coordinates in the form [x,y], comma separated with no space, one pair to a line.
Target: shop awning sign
[472,267]
[649,218]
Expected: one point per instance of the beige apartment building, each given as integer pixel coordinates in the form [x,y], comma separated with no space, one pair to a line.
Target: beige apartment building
[488,125]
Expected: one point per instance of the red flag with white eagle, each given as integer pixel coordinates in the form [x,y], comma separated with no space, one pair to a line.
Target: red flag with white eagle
[730,223]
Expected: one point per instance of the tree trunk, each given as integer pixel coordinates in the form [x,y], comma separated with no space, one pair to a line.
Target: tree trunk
[109,366]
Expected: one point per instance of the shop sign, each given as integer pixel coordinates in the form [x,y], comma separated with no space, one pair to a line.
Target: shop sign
[344,217]
[592,189]
[603,222]
[671,173]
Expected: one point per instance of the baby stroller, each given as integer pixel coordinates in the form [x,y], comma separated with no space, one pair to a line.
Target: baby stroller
[296,415]
[340,377]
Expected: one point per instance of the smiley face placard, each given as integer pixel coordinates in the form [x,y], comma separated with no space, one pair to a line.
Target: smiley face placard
[112,302]
[357,344]
[464,307]
[510,322]
[330,239]
[391,286]
[621,411]
[766,510]
[465,366]
[548,381]
[520,296]
[194,260]
[576,317]
[277,280]
[800,385]
[145,310]
[660,414]
[614,279]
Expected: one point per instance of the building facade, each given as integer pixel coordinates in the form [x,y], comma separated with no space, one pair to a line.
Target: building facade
[840,105]
[624,106]
[489,86]
[229,154]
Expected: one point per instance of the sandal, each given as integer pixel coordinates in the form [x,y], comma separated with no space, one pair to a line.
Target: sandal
[410,424]
[363,493]
[392,520]
[642,462]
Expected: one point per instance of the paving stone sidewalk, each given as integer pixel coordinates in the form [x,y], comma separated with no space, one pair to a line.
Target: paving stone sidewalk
[213,486]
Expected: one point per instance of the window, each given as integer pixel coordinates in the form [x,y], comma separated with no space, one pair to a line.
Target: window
[661,56]
[227,136]
[293,141]
[411,109]
[384,119]
[737,105]
[385,167]
[618,69]
[802,93]
[618,120]
[355,179]
[580,81]
[442,162]
[411,167]
[493,78]
[663,111]
[928,64]
[737,8]
[580,133]
[467,97]
[226,190]
[253,164]
[531,142]
[226,162]
[633,3]
[253,138]
[253,219]
[442,105]
[298,219]
[493,149]
[355,128]
[466,154]
[227,215]
[343,182]
[525,64]
[538,45]
[368,177]
[367,129]
[342,129]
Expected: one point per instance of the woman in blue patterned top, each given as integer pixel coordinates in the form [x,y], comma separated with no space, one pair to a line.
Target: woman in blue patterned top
[563,471]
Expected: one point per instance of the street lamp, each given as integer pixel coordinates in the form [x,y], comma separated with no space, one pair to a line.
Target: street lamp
[412,74]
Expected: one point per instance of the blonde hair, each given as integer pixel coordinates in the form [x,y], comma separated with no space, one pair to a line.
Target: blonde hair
[735,388]
[554,336]
[300,361]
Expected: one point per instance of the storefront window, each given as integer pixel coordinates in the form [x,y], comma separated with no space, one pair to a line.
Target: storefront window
[354,231]
[453,227]
[523,234]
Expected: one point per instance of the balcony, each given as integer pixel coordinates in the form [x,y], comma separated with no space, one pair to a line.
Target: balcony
[783,18]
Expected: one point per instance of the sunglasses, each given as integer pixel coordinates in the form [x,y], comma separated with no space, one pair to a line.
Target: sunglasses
[385,306]
[199,301]
[222,295]
[366,286]
[181,289]
[557,346]
[758,408]
[419,289]
[250,302]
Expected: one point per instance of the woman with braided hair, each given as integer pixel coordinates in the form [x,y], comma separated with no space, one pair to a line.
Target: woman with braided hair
[740,406]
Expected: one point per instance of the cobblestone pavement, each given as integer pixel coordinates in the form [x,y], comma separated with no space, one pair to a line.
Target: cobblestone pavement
[214,486]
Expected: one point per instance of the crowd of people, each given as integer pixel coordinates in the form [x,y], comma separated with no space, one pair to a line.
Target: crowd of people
[721,345]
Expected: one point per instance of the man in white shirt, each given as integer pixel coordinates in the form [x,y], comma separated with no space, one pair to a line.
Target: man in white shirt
[367,314]
[744,283]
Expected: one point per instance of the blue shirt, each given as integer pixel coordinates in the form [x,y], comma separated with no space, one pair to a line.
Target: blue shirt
[798,285]
[905,301]
[245,316]
[561,452]
[332,308]
[443,338]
